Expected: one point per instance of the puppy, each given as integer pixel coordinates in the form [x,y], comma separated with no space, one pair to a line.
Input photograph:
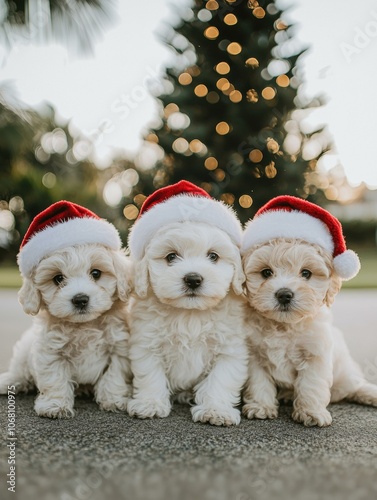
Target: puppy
[186,322]
[293,345]
[80,333]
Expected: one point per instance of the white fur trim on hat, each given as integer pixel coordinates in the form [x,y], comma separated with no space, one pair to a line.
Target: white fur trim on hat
[283,224]
[77,231]
[182,208]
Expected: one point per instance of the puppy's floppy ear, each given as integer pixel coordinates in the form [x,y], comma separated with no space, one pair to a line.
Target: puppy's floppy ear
[334,287]
[141,277]
[29,297]
[124,270]
[238,275]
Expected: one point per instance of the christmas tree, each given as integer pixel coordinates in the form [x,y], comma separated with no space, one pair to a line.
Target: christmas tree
[227,121]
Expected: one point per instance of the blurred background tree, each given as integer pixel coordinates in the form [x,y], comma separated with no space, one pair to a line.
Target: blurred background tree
[41,162]
[230,119]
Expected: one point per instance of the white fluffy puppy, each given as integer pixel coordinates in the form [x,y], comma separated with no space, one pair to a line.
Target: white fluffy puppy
[186,323]
[294,259]
[80,334]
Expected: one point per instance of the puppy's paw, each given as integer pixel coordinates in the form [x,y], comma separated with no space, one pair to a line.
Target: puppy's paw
[310,418]
[216,416]
[148,408]
[255,410]
[120,404]
[53,408]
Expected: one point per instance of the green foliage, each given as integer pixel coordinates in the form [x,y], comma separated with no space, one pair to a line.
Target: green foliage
[38,167]
[229,104]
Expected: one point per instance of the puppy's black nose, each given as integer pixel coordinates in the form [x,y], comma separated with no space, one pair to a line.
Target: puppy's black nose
[80,300]
[284,296]
[193,280]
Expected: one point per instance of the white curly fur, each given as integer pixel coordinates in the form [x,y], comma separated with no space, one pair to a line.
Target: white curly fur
[183,340]
[68,345]
[295,349]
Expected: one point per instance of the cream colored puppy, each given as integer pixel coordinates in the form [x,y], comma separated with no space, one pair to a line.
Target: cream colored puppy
[186,325]
[186,321]
[76,280]
[80,333]
[295,350]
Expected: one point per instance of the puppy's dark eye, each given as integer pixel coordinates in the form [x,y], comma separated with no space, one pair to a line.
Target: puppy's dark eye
[58,279]
[305,273]
[213,257]
[171,257]
[95,274]
[266,273]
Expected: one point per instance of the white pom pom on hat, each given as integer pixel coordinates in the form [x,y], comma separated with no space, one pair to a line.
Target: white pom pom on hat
[291,217]
[180,202]
[59,226]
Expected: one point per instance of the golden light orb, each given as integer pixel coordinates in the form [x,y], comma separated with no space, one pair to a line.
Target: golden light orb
[222,68]
[130,212]
[196,145]
[234,49]
[252,62]
[282,80]
[245,201]
[268,93]
[230,19]
[185,78]
[223,84]
[222,128]
[256,155]
[211,163]
[211,33]
[201,90]
[139,199]
[212,5]
[259,12]
[235,96]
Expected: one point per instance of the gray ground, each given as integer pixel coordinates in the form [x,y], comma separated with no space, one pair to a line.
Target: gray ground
[99,455]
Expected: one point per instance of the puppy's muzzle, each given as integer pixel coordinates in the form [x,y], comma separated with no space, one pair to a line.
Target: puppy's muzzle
[284,297]
[193,280]
[80,301]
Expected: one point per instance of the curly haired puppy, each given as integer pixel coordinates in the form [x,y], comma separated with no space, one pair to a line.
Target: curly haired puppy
[79,335]
[295,351]
[186,324]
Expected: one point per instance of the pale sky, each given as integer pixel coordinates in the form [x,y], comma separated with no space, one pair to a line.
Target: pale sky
[106,95]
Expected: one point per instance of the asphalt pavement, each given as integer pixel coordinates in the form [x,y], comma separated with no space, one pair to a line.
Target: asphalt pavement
[98,455]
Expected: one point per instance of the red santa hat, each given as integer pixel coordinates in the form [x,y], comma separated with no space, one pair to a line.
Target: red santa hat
[62,225]
[180,202]
[291,217]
